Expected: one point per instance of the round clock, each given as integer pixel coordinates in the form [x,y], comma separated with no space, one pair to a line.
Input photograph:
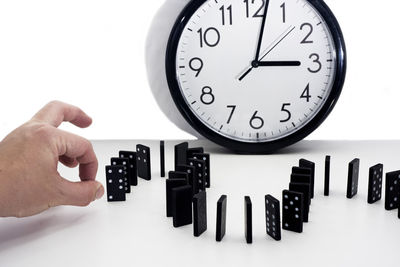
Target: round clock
[255,75]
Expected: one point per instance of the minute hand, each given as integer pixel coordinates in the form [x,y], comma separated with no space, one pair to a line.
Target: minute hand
[279,63]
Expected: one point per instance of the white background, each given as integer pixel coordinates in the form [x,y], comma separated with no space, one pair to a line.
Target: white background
[91,53]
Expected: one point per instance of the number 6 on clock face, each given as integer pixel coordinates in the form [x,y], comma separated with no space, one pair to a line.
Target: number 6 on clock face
[256,75]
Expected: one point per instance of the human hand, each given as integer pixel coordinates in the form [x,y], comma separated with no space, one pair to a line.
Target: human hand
[29,156]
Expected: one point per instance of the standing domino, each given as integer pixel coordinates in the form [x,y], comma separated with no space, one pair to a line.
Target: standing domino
[273,217]
[375,183]
[207,174]
[123,162]
[182,205]
[169,185]
[292,214]
[115,183]
[143,162]
[131,166]
[352,182]
[248,215]
[162,158]
[199,177]
[303,163]
[327,175]
[305,190]
[181,154]
[221,218]
[392,193]
[199,213]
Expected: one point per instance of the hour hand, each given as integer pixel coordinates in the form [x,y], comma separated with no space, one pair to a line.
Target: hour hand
[278,63]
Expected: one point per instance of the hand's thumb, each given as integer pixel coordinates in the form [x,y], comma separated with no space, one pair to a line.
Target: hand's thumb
[80,193]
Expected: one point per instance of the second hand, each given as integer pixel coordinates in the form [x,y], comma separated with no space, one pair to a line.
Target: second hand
[269,49]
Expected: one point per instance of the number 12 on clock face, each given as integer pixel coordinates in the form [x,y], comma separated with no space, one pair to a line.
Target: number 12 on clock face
[256,71]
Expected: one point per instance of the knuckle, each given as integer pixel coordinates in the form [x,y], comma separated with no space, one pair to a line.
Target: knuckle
[54,103]
[88,146]
[43,131]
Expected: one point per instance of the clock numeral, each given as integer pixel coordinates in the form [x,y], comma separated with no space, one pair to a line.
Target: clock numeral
[196,65]
[207,97]
[306,93]
[256,122]
[210,37]
[283,6]
[284,109]
[311,29]
[315,58]
[231,114]
[259,13]
[229,9]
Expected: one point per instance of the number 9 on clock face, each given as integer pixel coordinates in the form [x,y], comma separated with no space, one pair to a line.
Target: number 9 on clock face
[256,75]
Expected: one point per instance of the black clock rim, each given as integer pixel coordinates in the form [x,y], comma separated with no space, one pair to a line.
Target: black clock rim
[259,147]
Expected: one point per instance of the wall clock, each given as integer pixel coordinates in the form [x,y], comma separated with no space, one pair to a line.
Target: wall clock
[255,76]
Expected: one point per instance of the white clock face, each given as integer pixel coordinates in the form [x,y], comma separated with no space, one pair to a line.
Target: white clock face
[254,87]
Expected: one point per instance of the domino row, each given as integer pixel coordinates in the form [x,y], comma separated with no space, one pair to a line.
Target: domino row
[375,185]
[297,200]
[186,198]
[125,170]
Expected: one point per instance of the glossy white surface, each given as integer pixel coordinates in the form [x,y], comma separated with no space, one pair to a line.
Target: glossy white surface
[341,232]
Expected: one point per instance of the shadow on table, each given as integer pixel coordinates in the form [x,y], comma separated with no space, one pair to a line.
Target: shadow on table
[16,232]
[301,147]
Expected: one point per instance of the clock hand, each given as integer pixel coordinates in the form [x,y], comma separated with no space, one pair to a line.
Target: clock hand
[279,63]
[273,47]
[260,38]
[268,50]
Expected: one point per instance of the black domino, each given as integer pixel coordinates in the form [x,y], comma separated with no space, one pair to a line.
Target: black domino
[392,193]
[199,175]
[375,183]
[199,213]
[302,179]
[248,213]
[181,154]
[178,175]
[123,162]
[191,171]
[115,183]
[305,190]
[327,175]
[303,163]
[143,162]
[273,217]
[162,158]
[221,218]
[353,175]
[292,211]
[131,166]
[182,205]
[169,185]
[207,170]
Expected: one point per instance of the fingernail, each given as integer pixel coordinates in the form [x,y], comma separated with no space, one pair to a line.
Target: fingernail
[100,192]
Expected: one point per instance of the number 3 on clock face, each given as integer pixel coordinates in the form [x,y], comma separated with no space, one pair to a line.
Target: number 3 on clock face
[256,75]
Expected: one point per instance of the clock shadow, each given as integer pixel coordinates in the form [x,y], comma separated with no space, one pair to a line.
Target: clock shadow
[300,147]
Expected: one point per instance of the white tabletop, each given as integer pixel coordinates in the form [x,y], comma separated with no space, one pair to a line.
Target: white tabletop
[341,232]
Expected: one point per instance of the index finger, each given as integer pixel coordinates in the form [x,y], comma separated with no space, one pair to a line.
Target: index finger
[55,112]
[79,149]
